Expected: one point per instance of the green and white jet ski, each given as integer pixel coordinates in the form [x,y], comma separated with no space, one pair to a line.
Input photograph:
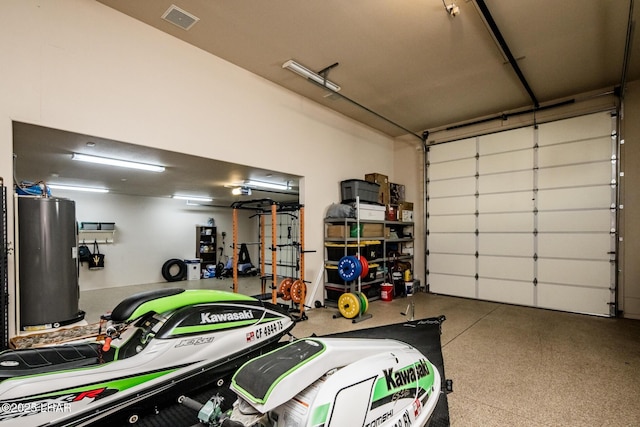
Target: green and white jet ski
[330,382]
[158,344]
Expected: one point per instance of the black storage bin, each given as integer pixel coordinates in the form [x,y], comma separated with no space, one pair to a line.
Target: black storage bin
[335,251]
[352,188]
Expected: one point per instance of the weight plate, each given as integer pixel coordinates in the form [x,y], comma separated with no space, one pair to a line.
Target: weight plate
[298,289]
[349,268]
[365,302]
[349,305]
[365,266]
[285,288]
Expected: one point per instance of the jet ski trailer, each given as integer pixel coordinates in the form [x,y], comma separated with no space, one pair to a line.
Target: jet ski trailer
[331,382]
[158,344]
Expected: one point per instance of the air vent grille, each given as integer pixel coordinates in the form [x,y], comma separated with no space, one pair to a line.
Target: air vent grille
[180,17]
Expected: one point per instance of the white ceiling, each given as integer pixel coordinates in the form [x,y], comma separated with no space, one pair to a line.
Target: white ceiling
[405,66]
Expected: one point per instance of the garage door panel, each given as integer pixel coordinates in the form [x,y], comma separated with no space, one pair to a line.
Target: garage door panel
[574,128]
[509,291]
[455,150]
[452,285]
[575,175]
[501,142]
[575,221]
[496,267]
[454,169]
[452,243]
[574,299]
[506,244]
[452,205]
[464,265]
[506,202]
[582,246]
[506,162]
[575,272]
[575,198]
[452,223]
[544,216]
[503,182]
[507,222]
[597,150]
[453,187]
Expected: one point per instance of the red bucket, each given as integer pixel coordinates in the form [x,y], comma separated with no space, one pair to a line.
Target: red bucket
[386,292]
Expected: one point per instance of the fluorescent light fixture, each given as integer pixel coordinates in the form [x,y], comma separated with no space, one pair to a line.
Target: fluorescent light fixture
[241,191]
[308,74]
[116,162]
[77,188]
[270,185]
[193,198]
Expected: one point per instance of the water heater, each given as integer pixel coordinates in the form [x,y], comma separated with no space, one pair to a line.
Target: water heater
[48,269]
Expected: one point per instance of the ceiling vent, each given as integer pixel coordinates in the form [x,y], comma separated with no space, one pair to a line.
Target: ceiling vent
[179,17]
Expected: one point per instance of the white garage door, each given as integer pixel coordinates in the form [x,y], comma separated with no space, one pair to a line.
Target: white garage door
[526,216]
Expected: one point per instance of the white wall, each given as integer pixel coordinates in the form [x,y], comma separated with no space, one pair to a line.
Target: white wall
[80,66]
[149,231]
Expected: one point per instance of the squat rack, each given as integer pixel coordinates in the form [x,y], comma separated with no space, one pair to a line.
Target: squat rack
[269,207]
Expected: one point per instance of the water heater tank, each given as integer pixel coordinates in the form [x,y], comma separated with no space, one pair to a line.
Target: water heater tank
[48,272]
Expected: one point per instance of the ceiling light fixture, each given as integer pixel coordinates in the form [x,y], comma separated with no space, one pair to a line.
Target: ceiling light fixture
[116,162]
[269,185]
[77,188]
[319,78]
[241,191]
[193,198]
[451,9]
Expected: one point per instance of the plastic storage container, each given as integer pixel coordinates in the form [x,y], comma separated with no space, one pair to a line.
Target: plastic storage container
[352,188]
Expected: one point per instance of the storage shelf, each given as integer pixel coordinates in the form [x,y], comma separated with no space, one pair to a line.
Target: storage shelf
[371,288]
[98,236]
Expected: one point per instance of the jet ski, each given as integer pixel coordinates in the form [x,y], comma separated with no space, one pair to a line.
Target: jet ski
[157,344]
[330,382]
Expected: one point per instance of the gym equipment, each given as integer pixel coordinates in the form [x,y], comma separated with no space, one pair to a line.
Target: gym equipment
[365,266]
[349,305]
[298,291]
[349,268]
[285,288]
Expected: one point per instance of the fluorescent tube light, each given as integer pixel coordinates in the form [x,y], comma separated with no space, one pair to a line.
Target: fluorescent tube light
[77,188]
[307,73]
[241,191]
[116,162]
[270,185]
[193,198]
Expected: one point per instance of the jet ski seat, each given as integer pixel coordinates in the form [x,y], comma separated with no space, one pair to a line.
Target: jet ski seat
[127,306]
[14,363]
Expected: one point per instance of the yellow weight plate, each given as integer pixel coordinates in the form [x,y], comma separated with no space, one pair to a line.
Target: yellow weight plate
[349,305]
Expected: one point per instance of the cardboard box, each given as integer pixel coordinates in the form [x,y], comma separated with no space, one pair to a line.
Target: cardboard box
[372,230]
[339,231]
[383,181]
[396,193]
[405,212]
